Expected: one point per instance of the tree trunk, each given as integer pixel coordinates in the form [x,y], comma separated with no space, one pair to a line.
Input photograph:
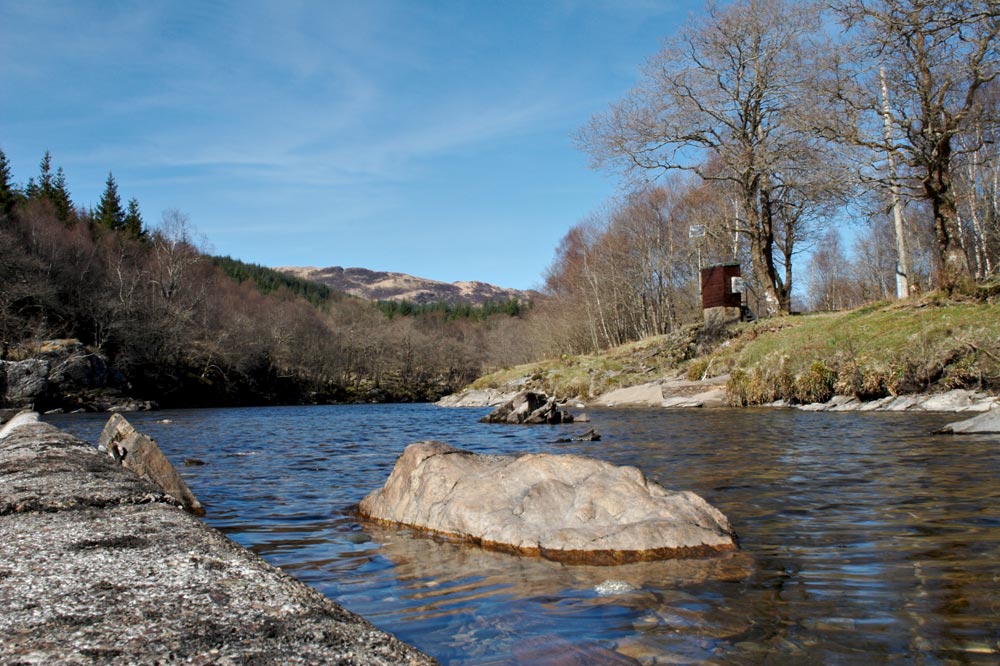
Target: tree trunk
[776,301]
[937,185]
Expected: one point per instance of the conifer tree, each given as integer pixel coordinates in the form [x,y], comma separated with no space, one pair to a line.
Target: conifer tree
[109,213]
[52,188]
[31,190]
[132,225]
[8,194]
[45,176]
[60,198]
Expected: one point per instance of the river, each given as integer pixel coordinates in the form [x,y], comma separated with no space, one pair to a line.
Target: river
[864,539]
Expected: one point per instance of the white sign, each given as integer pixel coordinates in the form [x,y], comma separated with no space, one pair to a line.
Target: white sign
[696,231]
[737,285]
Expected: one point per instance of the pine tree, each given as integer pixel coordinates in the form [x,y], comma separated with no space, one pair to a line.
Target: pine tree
[109,213]
[52,188]
[31,190]
[8,194]
[60,198]
[45,176]
[132,225]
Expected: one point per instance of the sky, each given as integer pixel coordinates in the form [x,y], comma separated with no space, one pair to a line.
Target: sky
[434,138]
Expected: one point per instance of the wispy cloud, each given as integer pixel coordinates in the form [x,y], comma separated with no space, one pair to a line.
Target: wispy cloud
[278,91]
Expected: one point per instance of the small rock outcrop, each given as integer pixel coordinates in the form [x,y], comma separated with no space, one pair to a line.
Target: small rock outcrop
[64,375]
[528,408]
[559,507]
[476,398]
[140,454]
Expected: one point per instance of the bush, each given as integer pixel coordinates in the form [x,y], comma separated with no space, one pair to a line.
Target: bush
[816,384]
[697,368]
[763,384]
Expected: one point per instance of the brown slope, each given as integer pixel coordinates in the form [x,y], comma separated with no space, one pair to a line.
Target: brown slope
[389,286]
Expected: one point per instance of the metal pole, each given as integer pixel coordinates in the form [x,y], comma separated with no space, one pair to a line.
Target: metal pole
[902,260]
[699,269]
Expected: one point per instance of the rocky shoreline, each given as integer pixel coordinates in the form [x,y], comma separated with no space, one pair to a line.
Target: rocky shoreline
[100,565]
[678,393]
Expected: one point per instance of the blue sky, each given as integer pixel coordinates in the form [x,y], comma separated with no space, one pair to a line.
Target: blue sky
[431,138]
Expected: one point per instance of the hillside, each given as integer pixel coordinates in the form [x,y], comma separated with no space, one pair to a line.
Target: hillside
[388,286]
[880,350]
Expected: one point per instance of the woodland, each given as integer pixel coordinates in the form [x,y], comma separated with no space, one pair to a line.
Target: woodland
[841,153]
[187,328]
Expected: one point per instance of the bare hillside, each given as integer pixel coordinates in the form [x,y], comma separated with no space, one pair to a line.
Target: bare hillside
[387,286]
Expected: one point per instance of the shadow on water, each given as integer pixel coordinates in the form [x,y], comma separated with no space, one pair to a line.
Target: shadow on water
[863,537]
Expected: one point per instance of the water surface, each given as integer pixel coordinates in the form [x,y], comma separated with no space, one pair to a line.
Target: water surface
[864,539]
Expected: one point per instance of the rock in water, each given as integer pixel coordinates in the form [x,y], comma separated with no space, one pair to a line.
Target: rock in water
[140,454]
[560,507]
[988,423]
[528,408]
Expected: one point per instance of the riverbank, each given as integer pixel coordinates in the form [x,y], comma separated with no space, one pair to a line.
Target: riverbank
[97,565]
[66,376]
[931,354]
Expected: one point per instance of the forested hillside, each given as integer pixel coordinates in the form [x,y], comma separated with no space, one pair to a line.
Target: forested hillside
[188,329]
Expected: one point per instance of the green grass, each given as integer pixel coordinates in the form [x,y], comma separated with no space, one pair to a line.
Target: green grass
[873,352]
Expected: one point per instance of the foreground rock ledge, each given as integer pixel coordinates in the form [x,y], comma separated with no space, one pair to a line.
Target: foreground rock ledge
[564,508]
[98,565]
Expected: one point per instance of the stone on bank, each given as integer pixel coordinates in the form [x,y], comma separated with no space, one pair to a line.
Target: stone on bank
[560,507]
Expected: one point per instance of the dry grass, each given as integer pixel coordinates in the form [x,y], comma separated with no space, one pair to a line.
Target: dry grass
[590,375]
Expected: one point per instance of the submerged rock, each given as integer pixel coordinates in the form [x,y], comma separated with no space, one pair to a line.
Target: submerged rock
[560,507]
[528,408]
[589,436]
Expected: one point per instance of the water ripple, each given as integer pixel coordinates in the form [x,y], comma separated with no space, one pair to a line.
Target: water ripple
[864,538]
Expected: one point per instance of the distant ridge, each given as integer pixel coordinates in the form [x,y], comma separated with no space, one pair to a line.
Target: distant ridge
[388,286]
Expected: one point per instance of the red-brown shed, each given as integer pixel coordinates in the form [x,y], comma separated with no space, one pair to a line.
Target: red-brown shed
[717,287]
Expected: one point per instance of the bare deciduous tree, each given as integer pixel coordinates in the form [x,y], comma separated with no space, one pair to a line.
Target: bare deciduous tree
[723,99]
[939,55]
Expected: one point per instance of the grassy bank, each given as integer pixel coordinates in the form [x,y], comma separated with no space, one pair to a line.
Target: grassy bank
[883,349]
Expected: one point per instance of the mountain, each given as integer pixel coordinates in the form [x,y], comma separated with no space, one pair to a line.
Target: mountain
[386,286]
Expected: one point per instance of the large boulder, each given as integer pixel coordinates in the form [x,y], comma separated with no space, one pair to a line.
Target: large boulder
[528,408]
[25,381]
[560,507]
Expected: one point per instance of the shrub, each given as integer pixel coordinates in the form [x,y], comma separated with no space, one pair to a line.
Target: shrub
[816,384]
[763,384]
[697,368]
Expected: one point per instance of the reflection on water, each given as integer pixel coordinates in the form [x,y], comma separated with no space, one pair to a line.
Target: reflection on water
[864,539]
